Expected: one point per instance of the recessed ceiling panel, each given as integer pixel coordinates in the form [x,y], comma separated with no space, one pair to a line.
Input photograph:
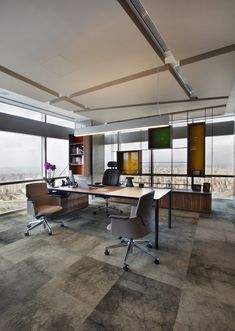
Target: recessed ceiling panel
[193,27]
[73,45]
[18,86]
[212,77]
[154,88]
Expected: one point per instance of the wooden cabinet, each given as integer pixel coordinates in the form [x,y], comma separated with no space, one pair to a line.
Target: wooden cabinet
[71,203]
[199,202]
[80,155]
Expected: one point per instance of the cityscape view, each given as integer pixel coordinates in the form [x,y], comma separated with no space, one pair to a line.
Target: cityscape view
[12,196]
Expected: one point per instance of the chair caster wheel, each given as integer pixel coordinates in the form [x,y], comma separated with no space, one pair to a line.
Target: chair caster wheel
[62,225]
[50,233]
[94,212]
[126,267]
[157,260]
[121,212]
[106,252]
[123,241]
[29,226]
[149,245]
[26,234]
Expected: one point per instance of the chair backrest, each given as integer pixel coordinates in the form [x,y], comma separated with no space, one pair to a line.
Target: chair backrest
[36,189]
[111,175]
[144,208]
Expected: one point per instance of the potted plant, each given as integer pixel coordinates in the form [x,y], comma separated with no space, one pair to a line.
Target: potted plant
[50,171]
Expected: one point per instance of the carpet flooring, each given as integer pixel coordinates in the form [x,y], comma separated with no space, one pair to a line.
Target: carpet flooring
[64,282]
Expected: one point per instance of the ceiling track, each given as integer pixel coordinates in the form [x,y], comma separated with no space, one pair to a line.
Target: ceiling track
[142,20]
[67,99]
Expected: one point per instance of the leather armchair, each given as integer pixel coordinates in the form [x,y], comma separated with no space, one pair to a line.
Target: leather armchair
[138,224]
[41,205]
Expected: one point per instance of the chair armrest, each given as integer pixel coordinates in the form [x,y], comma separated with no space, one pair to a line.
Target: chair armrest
[30,207]
[133,211]
[119,216]
[46,199]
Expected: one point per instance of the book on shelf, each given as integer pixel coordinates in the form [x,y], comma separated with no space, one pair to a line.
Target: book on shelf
[77,150]
[77,160]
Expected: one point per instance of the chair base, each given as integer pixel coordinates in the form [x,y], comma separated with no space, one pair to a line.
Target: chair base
[41,221]
[131,243]
[107,209]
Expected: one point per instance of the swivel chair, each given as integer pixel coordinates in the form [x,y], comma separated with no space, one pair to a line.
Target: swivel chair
[41,205]
[137,225]
[110,178]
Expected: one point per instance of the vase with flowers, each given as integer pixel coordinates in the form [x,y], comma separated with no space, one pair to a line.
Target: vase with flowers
[50,172]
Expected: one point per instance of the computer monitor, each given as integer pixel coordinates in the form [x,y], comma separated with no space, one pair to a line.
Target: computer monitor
[72,179]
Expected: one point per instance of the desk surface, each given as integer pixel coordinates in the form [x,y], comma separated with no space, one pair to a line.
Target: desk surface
[127,192]
[117,191]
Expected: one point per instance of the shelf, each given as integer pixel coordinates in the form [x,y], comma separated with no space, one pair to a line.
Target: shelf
[79,155]
[76,164]
[76,144]
[74,154]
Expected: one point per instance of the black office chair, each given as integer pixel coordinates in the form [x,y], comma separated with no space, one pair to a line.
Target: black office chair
[110,178]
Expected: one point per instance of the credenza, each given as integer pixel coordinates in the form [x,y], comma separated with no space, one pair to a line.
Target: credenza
[183,200]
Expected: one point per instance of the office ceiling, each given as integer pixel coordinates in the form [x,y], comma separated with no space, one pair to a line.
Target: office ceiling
[89,59]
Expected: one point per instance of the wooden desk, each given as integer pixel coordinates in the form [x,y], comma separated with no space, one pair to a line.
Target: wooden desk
[199,202]
[128,192]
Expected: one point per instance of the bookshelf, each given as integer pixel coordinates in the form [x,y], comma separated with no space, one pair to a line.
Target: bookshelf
[80,155]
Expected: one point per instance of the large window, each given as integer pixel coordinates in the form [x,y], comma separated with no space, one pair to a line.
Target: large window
[168,167]
[12,197]
[21,157]
[58,154]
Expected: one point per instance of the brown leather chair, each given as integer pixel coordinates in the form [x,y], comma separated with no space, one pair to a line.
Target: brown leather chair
[137,225]
[41,205]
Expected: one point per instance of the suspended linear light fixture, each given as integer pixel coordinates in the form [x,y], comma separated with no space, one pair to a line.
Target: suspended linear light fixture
[129,125]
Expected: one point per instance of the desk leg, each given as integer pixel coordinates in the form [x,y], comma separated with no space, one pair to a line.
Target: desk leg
[156,223]
[169,209]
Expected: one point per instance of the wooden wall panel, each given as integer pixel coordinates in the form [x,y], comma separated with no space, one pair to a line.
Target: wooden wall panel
[196,148]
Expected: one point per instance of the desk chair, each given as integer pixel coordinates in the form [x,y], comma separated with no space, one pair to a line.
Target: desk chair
[110,178]
[137,225]
[41,205]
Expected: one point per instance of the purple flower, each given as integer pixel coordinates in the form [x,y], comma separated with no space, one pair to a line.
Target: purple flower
[47,166]
[53,167]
